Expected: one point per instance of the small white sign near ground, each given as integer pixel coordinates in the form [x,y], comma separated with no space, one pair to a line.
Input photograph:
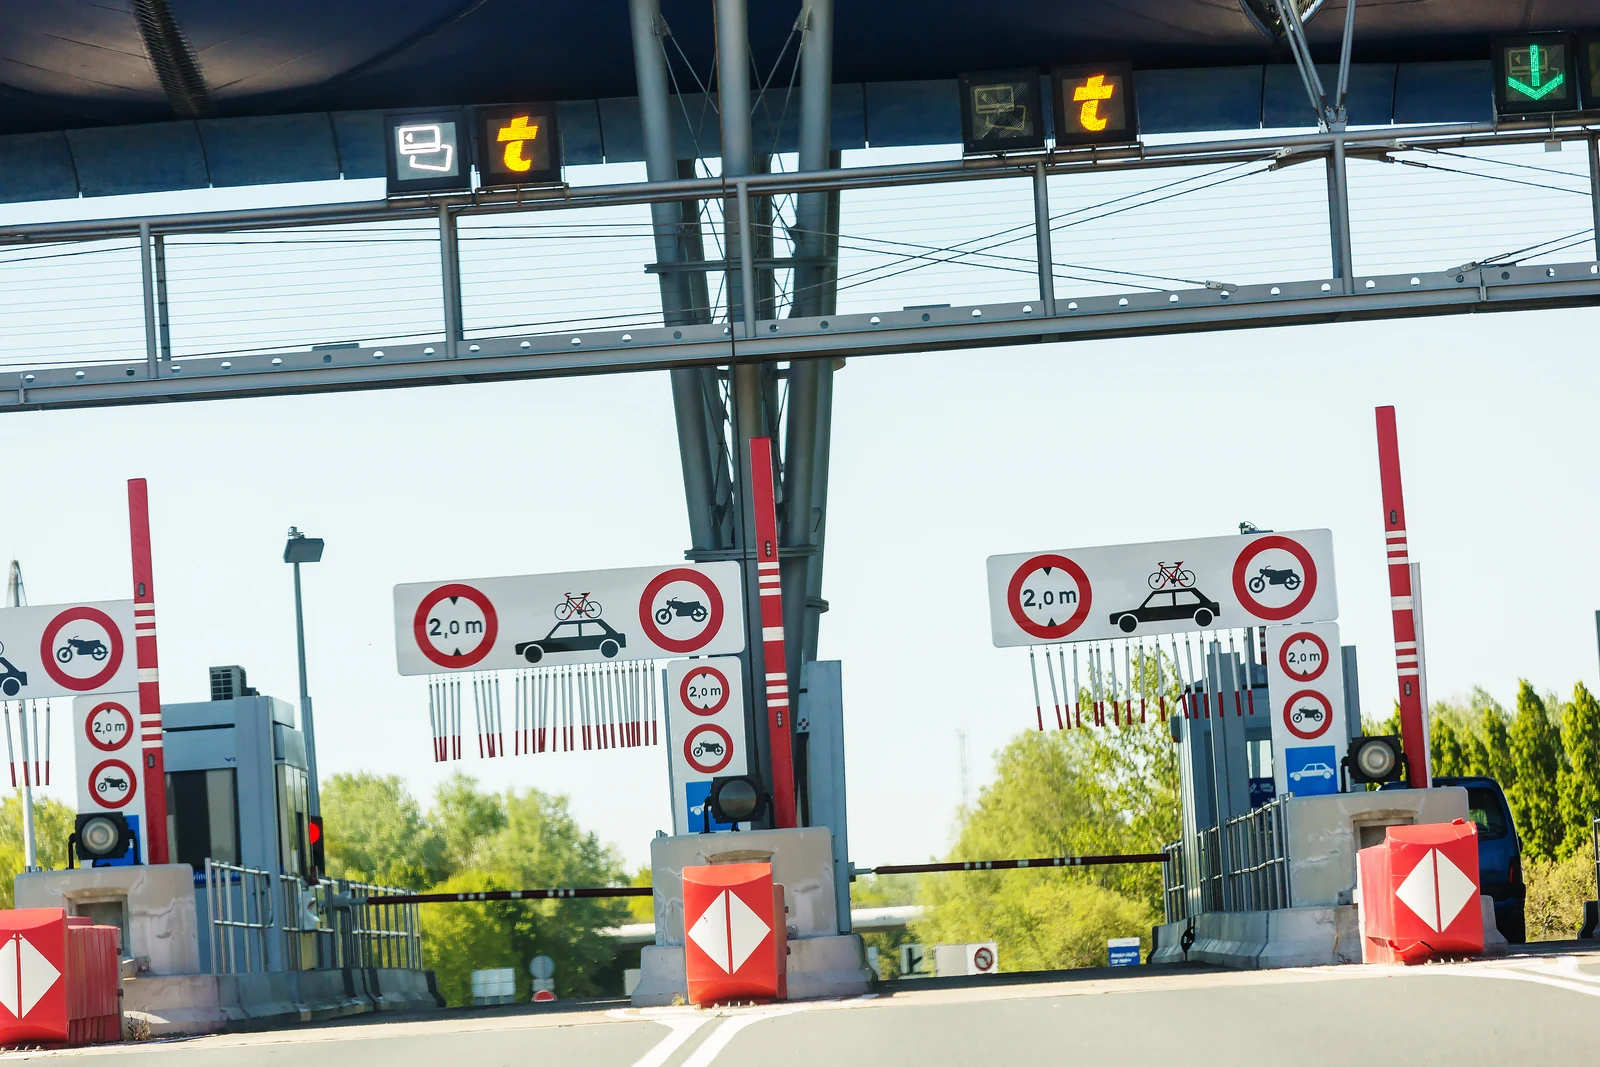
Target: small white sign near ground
[1092,594]
[577,617]
[1305,681]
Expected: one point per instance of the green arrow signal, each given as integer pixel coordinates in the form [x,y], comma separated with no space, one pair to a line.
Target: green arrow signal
[1536,91]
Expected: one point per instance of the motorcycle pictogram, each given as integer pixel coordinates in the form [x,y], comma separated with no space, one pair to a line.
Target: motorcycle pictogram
[118,784]
[704,748]
[1267,576]
[1314,714]
[93,648]
[691,609]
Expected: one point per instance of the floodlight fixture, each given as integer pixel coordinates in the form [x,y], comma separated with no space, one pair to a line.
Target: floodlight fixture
[1375,760]
[736,798]
[102,835]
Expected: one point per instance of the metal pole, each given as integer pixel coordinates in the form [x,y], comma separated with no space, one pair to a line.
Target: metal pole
[30,854]
[146,269]
[816,116]
[307,722]
[163,317]
[733,94]
[1344,57]
[1041,229]
[1594,187]
[450,272]
[747,266]
[1339,217]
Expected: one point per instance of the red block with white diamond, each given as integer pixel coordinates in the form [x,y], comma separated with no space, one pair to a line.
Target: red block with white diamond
[1420,894]
[33,990]
[728,923]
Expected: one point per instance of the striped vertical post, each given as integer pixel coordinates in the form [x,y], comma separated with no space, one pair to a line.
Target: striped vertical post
[144,634]
[763,498]
[1413,729]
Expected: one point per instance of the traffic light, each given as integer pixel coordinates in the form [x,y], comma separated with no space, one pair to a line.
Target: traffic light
[1375,759]
[314,834]
[102,835]
[519,145]
[1094,104]
[1001,111]
[1535,74]
[736,798]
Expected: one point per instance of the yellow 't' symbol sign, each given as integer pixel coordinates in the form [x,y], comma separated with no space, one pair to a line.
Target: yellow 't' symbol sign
[1091,93]
[518,132]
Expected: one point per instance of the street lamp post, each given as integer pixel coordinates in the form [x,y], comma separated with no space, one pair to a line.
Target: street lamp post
[302,549]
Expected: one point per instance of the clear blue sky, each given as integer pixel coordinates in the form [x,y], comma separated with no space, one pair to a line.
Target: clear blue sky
[940,460]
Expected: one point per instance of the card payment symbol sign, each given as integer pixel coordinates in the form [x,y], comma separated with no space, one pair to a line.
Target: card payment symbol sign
[1535,64]
[424,148]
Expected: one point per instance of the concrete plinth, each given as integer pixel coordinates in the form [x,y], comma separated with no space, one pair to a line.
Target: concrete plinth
[1287,937]
[822,961]
[205,1003]
[157,902]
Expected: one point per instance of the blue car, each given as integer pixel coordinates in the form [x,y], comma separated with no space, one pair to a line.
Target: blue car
[1499,852]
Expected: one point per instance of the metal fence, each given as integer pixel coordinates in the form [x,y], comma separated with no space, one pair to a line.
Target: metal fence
[1257,852]
[1174,883]
[239,901]
[1241,866]
[331,925]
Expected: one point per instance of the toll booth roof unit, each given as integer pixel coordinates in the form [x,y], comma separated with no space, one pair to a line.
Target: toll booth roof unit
[214,714]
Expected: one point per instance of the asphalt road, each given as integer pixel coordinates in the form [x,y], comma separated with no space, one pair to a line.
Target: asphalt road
[1532,1010]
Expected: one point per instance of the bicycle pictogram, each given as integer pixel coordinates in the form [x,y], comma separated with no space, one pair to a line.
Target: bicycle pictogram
[1175,576]
[579,605]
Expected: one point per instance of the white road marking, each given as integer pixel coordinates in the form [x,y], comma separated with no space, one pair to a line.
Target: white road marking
[1561,972]
[719,1038]
[681,1027]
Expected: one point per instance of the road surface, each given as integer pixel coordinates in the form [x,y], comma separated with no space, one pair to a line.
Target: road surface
[1528,1010]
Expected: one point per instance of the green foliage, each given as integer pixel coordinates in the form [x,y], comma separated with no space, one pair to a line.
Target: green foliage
[1556,892]
[53,823]
[470,841]
[1537,755]
[1075,792]
[641,909]
[1579,787]
[379,833]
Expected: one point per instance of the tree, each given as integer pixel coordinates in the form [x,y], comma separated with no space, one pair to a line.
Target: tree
[464,818]
[1073,792]
[53,823]
[1535,744]
[1580,781]
[377,833]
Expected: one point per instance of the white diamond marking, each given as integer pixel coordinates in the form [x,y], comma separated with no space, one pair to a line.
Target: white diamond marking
[746,930]
[1456,890]
[1420,893]
[710,932]
[25,976]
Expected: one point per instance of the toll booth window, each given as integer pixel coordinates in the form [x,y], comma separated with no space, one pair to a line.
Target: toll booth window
[293,843]
[203,817]
[1484,807]
[1001,111]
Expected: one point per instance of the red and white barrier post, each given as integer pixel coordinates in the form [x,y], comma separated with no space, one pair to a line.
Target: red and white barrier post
[154,770]
[763,498]
[1407,654]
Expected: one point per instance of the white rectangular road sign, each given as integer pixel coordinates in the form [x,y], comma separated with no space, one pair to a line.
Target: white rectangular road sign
[57,650]
[705,734]
[1305,682]
[1093,594]
[578,617]
[106,755]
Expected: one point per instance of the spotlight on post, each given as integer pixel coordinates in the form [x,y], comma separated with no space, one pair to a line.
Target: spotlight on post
[737,798]
[1375,759]
[102,836]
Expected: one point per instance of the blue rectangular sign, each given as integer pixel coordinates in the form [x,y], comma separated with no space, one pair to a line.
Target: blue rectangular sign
[1312,770]
[697,797]
[1123,955]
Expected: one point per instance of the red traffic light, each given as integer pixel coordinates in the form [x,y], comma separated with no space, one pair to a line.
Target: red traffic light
[315,831]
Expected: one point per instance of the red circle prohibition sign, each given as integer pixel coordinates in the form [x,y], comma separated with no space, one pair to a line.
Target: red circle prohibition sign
[99,798]
[1301,676]
[697,672]
[1327,715]
[1308,587]
[713,609]
[88,726]
[491,625]
[1014,597]
[47,648]
[690,742]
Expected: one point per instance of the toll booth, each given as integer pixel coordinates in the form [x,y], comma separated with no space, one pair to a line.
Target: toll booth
[236,789]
